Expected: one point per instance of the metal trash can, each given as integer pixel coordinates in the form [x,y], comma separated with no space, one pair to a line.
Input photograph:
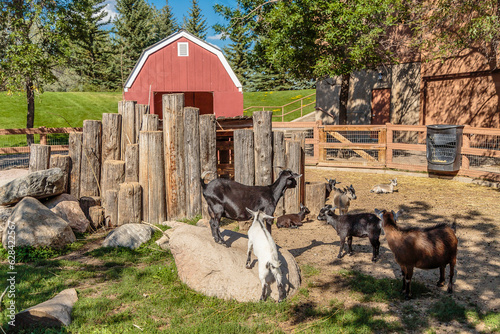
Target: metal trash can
[444,146]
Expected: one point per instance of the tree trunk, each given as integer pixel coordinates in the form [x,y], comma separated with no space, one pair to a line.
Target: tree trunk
[344,97]
[30,119]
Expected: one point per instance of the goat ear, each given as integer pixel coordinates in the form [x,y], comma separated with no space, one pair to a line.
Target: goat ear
[398,214]
[253,213]
[379,213]
[267,216]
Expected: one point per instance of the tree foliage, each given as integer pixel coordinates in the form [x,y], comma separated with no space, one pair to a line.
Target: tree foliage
[195,22]
[165,23]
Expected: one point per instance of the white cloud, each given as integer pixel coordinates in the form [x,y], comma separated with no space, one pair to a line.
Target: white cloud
[216,37]
[110,10]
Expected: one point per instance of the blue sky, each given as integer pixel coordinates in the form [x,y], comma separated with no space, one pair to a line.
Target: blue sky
[180,8]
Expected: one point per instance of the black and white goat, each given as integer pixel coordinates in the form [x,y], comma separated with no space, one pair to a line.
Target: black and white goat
[293,220]
[228,198]
[361,225]
[264,248]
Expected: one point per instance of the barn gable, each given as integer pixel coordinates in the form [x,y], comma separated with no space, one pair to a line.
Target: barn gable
[183,63]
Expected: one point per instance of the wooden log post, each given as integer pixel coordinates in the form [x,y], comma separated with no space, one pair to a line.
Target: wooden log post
[63,162]
[129,203]
[132,163]
[192,161]
[111,208]
[173,135]
[208,153]
[150,122]
[293,157]
[75,153]
[279,163]
[244,157]
[86,202]
[263,143]
[128,126]
[111,137]
[152,177]
[315,197]
[301,137]
[113,175]
[91,158]
[39,157]
[140,111]
[96,216]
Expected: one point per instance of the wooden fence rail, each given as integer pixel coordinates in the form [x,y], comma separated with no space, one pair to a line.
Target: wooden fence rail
[42,131]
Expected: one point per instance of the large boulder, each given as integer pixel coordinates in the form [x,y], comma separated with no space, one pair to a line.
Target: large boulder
[68,208]
[5,212]
[40,184]
[51,313]
[129,235]
[215,270]
[35,225]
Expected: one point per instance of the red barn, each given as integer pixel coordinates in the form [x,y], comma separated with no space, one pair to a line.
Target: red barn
[183,63]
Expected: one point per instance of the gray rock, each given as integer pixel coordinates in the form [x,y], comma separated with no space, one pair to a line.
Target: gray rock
[40,184]
[163,242]
[215,270]
[129,235]
[35,225]
[53,312]
[5,213]
[68,208]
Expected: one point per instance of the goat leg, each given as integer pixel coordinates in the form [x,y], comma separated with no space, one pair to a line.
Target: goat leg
[249,255]
[452,272]
[376,247]
[441,275]
[349,245]
[342,241]
[263,295]
[408,276]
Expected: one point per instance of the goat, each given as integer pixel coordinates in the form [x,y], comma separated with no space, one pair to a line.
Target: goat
[228,198]
[342,199]
[264,248]
[424,248]
[361,225]
[330,186]
[293,219]
[385,188]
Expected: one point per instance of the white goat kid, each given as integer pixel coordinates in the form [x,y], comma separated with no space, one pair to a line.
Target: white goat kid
[264,248]
[385,188]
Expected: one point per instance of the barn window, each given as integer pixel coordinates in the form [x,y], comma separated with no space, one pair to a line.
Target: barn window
[182,49]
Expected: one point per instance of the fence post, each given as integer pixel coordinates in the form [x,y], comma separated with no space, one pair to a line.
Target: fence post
[293,162]
[465,144]
[382,137]
[113,174]
[63,162]
[132,163]
[208,152]
[111,137]
[322,135]
[91,158]
[75,152]
[388,152]
[128,125]
[300,136]
[39,157]
[129,203]
[192,162]
[262,129]
[279,160]
[244,159]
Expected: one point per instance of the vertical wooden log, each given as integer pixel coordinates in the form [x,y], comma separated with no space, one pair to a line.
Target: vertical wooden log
[149,122]
[244,163]
[132,163]
[111,208]
[91,158]
[279,163]
[120,107]
[96,216]
[140,111]
[293,157]
[129,203]
[208,153]
[63,162]
[151,176]
[173,133]
[192,161]
[39,157]
[75,153]
[315,197]
[262,127]
[112,176]
[86,202]
[128,126]
[301,137]
[111,137]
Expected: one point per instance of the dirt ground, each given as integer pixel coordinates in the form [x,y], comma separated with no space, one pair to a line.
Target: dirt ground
[426,202]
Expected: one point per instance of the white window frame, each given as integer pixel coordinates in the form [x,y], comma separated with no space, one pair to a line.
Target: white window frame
[182,46]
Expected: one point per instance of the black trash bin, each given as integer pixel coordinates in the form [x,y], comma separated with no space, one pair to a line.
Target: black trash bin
[444,145]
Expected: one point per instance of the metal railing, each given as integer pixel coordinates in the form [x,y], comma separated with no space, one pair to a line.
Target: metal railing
[284,108]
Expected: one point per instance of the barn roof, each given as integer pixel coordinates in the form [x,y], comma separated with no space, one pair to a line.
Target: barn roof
[172,38]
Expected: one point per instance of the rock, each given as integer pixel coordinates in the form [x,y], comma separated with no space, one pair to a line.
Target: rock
[129,235]
[203,223]
[37,226]
[68,208]
[5,213]
[41,184]
[163,242]
[215,270]
[51,313]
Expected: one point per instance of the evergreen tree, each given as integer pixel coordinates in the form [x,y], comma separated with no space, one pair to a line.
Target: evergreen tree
[165,23]
[195,23]
[237,54]
[133,28]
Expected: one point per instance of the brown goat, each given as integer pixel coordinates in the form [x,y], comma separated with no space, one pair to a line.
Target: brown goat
[424,248]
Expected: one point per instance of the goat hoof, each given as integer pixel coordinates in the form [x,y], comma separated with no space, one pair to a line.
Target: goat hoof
[450,290]
[374,259]
[440,283]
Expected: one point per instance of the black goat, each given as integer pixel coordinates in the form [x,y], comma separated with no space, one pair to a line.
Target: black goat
[424,248]
[329,187]
[228,198]
[361,225]
[293,220]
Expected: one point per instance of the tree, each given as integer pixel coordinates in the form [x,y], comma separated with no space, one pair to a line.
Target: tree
[34,36]
[195,23]
[165,23]
[133,28]
[318,38]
